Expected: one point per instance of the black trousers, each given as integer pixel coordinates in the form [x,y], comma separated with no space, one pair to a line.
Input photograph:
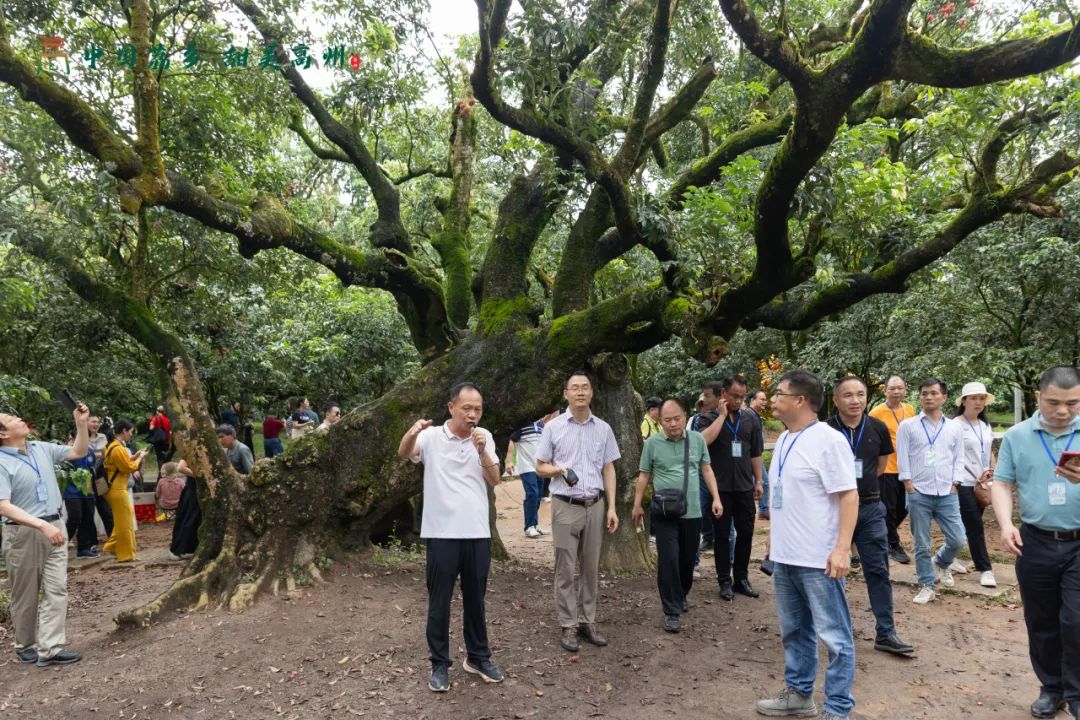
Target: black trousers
[446,560]
[1049,578]
[676,547]
[895,498]
[739,508]
[80,522]
[972,516]
[105,511]
[188,518]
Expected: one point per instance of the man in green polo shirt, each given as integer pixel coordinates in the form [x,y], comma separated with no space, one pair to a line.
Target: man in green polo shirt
[1047,545]
[664,462]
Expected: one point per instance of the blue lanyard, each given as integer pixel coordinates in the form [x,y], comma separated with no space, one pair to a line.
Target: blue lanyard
[782,457]
[922,421]
[734,430]
[32,463]
[1046,446]
[979,434]
[850,435]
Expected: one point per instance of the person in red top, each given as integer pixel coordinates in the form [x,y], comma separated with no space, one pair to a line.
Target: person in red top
[272,428]
[164,423]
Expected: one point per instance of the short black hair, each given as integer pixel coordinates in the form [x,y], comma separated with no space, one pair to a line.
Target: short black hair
[328,406]
[456,390]
[846,379]
[1063,376]
[226,429]
[677,401]
[735,380]
[715,387]
[653,402]
[930,382]
[118,427]
[754,393]
[807,384]
[579,371]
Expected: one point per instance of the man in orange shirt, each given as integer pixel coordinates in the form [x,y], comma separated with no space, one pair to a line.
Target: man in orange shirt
[893,412]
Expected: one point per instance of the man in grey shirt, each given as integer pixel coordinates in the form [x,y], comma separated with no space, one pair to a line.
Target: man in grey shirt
[35,539]
[238,453]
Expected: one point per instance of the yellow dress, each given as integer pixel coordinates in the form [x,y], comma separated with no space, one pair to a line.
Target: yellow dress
[118,467]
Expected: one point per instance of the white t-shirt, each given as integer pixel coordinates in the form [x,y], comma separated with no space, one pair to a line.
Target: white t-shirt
[455,493]
[817,465]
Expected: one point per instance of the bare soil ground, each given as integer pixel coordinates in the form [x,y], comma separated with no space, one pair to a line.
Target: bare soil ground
[354,647]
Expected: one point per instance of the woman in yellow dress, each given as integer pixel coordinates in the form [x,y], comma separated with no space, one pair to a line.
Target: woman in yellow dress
[119,464]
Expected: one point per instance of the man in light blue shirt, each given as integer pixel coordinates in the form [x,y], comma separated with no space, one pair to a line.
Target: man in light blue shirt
[930,456]
[35,538]
[1047,545]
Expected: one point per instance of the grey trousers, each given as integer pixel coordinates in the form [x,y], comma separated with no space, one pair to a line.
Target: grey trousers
[33,566]
[577,532]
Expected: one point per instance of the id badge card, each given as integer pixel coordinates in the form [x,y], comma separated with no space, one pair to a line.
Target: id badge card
[858,468]
[736,448]
[1058,492]
[931,457]
[43,493]
[777,496]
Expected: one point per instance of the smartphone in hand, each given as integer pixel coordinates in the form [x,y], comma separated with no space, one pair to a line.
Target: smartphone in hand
[65,398]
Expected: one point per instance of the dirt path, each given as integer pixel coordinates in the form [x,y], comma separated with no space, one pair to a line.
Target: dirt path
[354,647]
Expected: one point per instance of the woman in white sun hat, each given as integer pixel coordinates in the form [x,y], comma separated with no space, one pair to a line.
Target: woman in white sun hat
[978,441]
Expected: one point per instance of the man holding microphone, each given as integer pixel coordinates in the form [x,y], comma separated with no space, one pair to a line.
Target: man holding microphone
[459,463]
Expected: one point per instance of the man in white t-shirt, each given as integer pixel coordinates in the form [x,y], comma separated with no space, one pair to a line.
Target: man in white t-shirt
[459,463]
[814,503]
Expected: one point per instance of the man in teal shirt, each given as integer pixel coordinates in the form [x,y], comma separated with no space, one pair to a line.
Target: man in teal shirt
[664,462]
[1047,545]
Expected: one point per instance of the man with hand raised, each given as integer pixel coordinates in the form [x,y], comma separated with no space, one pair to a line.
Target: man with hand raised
[459,463]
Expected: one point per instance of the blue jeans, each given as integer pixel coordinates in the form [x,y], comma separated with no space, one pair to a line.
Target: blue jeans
[946,510]
[272,447]
[531,482]
[871,538]
[763,503]
[812,607]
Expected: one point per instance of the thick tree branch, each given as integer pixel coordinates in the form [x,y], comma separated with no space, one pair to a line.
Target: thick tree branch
[453,243]
[296,124]
[772,48]
[921,60]
[679,107]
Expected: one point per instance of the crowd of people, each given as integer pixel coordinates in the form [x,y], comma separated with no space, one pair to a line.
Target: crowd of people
[836,488]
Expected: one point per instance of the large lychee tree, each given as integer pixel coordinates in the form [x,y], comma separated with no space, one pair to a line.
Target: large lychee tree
[600,177]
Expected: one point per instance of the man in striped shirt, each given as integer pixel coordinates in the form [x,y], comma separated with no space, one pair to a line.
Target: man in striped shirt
[930,455]
[521,460]
[578,452]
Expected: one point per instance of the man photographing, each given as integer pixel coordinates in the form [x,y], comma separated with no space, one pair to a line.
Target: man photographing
[459,463]
[35,539]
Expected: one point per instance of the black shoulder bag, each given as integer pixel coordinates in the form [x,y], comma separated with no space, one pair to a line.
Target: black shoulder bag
[670,503]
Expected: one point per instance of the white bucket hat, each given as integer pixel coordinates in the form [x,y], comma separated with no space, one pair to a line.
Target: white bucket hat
[974,388]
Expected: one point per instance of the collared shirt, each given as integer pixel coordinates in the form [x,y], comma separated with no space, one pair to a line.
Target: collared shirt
[918,442]
[584,447]
[978,443]
[455,492]
[869,442]
[892,419]
[20,479]
[1024,462]
[734,474]
[663,457]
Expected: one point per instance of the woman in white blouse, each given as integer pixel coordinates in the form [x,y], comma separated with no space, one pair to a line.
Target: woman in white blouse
[978,441]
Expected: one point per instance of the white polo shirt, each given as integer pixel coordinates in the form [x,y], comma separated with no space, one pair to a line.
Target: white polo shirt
[455,492]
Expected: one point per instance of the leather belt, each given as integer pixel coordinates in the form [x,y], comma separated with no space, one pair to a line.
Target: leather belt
[584,502]
[1056,534]
[47,518]
[869,500]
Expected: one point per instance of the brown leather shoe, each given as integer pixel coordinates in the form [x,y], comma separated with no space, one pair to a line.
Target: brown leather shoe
[588,632]
[569,640]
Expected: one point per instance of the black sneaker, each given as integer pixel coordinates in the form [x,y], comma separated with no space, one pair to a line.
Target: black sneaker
[899,555]
[671,623]
[893,645]
[485,669]
[88,554]
[440,679]
[27,655]
[64,657]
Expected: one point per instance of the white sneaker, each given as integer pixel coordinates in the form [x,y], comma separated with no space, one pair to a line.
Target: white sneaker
[945,575]
[925,595]
[546,499]
[988,579]
[958,567]
[697,574]
[532,532]
[541,530]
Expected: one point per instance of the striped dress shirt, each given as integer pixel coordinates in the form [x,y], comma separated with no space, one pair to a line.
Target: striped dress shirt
[583,447]
[913,443]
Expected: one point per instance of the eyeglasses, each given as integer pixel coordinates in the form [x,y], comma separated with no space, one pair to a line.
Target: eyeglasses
[784,394]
